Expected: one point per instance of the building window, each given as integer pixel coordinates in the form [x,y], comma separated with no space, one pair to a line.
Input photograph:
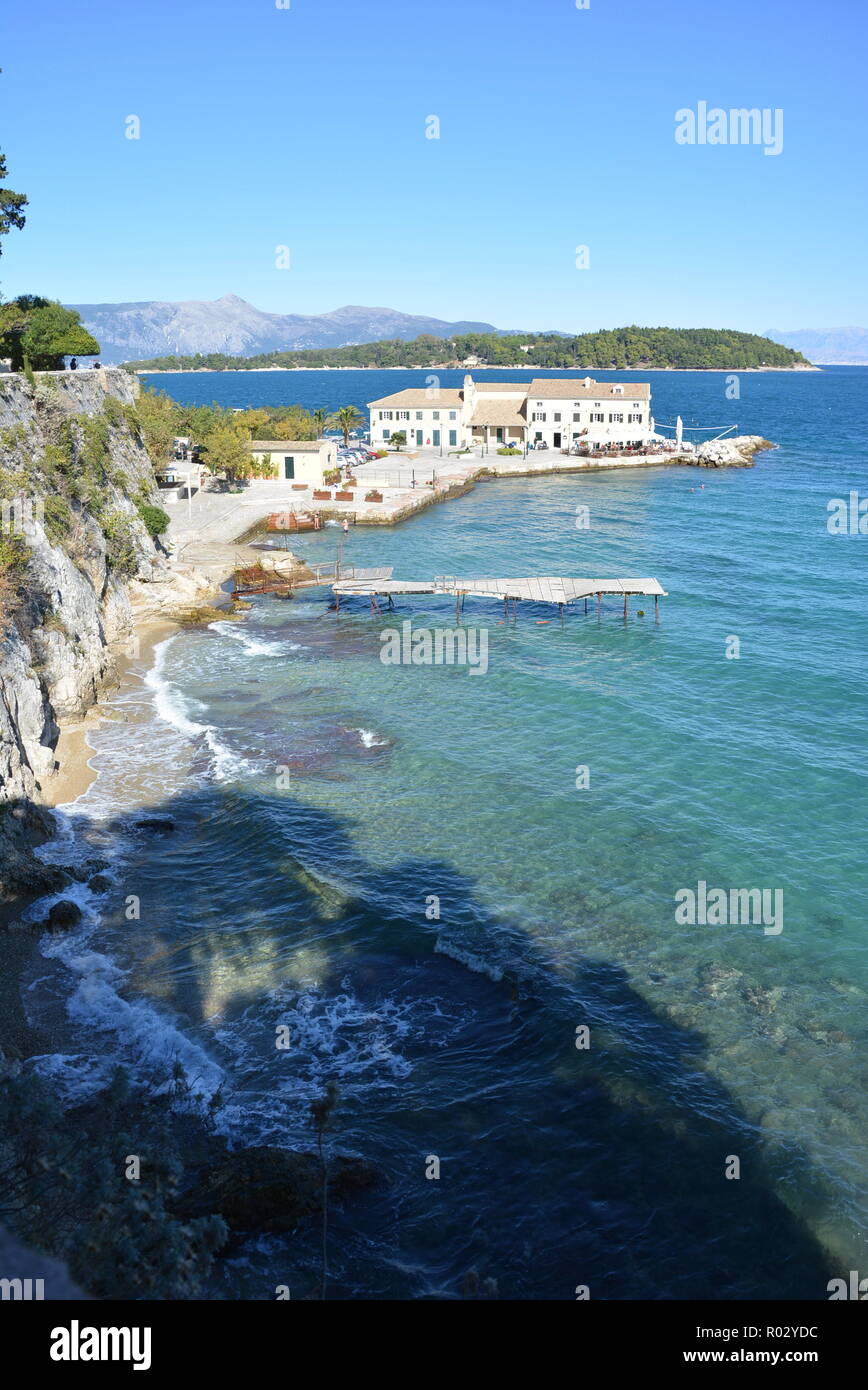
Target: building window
[403,414]
[616,419]
[634,419]
[576,417]
[387,433]
[288,467]
[453,415]
[597,419]
[418,415]
[557,417]
[436,414]
[539,415]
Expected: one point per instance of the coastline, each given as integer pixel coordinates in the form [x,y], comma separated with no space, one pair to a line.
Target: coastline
[501,367]
[74,774]
[18,1038]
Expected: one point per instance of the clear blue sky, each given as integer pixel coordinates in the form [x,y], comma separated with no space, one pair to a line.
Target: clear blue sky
[306,127]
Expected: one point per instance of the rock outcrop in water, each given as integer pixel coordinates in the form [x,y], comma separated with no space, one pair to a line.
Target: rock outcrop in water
[264,1188]
[730,453]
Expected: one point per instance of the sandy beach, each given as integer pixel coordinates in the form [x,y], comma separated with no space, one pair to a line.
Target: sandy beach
[75,774]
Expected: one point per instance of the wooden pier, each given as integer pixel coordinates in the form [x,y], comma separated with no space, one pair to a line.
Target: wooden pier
[545,589]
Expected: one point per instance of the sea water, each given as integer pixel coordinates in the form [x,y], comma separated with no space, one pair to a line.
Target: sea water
[459,894]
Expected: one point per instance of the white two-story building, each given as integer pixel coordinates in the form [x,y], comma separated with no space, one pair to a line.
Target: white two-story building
[427,417]
[560,412]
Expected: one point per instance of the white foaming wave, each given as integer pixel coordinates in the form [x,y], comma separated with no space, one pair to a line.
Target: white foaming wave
[79,893]
[444,947]
[369,739]
[75,1077]
[174,708]
[255,646]
[64,846]
[144,1038]
[332,1038]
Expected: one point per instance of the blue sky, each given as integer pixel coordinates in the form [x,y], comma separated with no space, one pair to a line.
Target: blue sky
[263,127]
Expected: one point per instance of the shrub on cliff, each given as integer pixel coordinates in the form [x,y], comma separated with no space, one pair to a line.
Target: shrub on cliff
[155,519]
[14,556]
[121,553]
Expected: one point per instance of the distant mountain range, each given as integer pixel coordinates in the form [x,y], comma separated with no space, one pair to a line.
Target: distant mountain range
[829,346]
[128,332]
[157,328]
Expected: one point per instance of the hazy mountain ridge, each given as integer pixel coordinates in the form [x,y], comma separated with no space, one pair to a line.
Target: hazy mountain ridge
[841,346]
[153,328]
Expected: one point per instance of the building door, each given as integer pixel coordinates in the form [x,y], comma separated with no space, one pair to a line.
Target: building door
[453,437]
[498,434]
[435,435]
[558,440]
[419,438]
[288,467]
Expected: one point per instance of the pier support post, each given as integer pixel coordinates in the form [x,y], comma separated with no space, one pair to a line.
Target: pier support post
[625,607]
[656,608]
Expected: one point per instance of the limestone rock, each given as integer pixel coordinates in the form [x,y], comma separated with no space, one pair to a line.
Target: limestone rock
[730,453]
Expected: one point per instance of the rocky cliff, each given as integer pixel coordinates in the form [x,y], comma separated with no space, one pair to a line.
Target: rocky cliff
[74,480]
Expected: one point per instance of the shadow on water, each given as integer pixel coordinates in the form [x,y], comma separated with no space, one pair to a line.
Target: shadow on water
[456,1038]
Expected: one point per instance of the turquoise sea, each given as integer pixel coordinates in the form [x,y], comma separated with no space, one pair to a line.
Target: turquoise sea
[324,800]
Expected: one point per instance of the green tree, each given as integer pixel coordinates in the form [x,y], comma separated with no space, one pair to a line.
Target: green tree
[399,439]
[11,205]
[346,419]
[226,452]
[319,418]
[38,333]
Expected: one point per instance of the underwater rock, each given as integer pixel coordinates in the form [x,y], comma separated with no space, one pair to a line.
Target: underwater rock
[716,979]
[763,1000]
[269,1189]
[829,1037]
